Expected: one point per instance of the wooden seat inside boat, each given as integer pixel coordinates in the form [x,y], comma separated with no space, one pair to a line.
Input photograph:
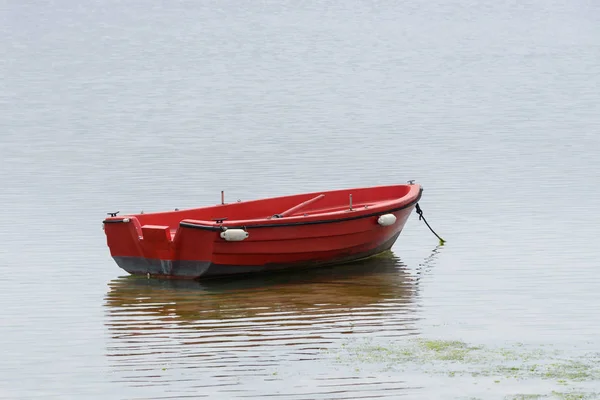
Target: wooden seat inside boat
[304,209]
[332,209]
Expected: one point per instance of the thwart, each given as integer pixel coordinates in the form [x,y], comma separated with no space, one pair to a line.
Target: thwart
[298,231]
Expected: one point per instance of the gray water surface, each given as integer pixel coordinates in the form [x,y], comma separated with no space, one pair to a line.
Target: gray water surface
[130,106]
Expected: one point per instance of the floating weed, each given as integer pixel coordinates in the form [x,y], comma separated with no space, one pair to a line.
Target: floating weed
[574,395]
[573,370]
[554,395]
[440,345]
[454,358]
[446,350]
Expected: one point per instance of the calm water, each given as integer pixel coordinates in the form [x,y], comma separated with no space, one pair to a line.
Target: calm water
[492,106]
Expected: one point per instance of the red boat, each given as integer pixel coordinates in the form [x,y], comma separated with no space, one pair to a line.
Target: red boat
[299,231]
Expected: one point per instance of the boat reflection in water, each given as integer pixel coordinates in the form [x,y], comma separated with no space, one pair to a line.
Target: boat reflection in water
[228,331]
[376,280]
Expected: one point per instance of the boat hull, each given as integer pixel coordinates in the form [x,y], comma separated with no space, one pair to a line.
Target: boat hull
[202,269]
[173,245]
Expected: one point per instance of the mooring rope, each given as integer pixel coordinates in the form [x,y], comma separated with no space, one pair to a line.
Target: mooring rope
[421,217]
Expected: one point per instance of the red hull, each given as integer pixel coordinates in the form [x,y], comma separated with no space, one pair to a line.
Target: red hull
[316,229]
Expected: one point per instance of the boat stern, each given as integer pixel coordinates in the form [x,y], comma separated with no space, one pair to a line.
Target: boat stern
[152,249]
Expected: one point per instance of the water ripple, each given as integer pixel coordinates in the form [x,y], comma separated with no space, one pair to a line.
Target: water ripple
[209,337]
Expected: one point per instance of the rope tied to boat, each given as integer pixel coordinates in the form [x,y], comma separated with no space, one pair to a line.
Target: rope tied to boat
[421,217]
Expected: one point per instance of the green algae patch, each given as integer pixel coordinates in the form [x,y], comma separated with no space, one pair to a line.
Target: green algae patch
[574,395]
[419,351]
[453,358]
[448,350]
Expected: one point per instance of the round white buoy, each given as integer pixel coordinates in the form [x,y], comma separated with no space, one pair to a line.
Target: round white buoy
[234,235]
[386,220]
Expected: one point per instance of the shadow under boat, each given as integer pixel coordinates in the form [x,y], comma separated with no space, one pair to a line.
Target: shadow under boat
[380,279]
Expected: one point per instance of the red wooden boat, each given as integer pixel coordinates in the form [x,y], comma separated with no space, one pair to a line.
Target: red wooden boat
[304,230]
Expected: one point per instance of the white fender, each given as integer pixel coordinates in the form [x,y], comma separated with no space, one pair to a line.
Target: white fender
[386,220]
[234,235]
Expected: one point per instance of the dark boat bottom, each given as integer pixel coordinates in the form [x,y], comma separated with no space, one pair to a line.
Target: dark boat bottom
[205,269]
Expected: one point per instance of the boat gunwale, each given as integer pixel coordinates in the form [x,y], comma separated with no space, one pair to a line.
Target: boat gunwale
[236,225]
[381,206]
